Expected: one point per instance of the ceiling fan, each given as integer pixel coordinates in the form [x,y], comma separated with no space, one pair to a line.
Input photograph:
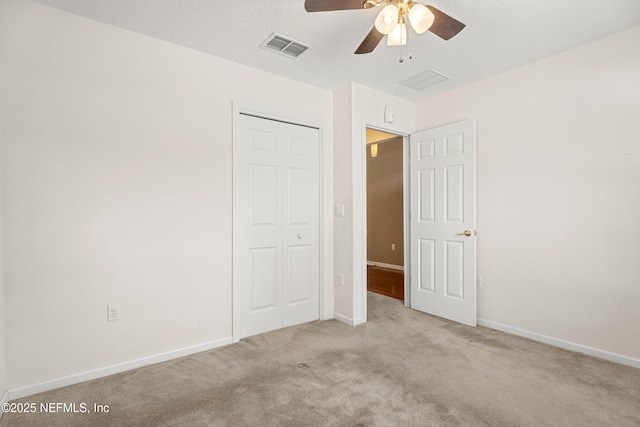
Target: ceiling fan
[391,20]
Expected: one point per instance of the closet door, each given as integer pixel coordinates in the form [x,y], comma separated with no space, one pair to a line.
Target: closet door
[301,212]
[276,244]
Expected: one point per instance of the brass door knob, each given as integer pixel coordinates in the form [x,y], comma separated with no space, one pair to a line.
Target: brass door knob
[466,233]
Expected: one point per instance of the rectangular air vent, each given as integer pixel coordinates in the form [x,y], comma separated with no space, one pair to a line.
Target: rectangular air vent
[284,45]
[424,80]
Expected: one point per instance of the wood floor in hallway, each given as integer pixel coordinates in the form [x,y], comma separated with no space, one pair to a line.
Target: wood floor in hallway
[385,281]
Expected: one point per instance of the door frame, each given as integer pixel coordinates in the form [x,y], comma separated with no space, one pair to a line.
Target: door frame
[406,207]
[326,196]
[362,153]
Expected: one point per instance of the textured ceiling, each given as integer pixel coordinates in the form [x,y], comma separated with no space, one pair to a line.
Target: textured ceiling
[500,35]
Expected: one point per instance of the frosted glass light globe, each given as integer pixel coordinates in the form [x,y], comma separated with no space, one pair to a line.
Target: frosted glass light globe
[420,17]
[387,19]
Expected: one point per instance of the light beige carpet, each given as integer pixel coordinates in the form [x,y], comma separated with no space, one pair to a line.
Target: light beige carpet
[402,368]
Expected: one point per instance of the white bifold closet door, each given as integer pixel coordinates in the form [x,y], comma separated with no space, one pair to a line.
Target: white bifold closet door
[276,258]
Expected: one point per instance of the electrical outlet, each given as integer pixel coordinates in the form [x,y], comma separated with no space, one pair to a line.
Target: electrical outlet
[393,246]
[113,312]
[341,279]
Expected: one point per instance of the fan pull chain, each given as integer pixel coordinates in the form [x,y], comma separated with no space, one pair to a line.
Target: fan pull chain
[408,45]
[410,54]
[401,44]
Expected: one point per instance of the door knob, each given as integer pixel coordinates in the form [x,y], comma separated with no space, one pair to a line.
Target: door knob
[466,233]
[299,236]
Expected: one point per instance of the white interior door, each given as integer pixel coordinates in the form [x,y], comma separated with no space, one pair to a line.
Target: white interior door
[443,221]
[276,241]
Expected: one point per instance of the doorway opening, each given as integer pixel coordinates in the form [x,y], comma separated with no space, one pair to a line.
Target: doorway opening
[439,218]
[385,199]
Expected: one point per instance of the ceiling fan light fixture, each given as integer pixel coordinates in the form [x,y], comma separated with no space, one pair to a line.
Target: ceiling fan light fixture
[394,13]
[398,37]
[420,17]
[387,19]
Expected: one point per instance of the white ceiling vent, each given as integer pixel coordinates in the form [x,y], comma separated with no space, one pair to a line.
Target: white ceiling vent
[284,45]
[424,80]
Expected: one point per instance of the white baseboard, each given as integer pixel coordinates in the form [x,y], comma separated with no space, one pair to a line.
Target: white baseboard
[344,319]
[349,321]
[383,265]
[29,390]
[602,354]
[358,321]
[3,400]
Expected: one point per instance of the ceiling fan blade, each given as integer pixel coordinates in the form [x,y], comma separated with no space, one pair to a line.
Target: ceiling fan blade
[326,5]
[370,42]
[444,26]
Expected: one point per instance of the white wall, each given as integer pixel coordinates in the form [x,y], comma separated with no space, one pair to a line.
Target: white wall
[355,108]
[3,351]
[343,195]
[3,308]
[558,198]
[118,189]
[3,339]
[3,335]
